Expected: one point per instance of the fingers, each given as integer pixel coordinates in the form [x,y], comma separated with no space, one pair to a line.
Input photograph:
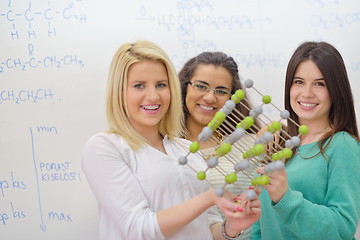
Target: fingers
[262,131]
[256,212]
[278,174]
[255,203]
[274,174]
[239,212]
[245,204]
[238,206]
[260,170]
[249,207]
[277,185]
[258,190]
[228,203]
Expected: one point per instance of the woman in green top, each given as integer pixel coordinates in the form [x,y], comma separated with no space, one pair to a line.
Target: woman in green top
[317,196]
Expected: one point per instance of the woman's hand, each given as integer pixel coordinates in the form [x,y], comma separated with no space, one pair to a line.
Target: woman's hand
[246,211]
[227,204]
[251,215]
[278,184]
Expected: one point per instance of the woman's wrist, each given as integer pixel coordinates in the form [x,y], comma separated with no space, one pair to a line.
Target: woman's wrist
[225,234]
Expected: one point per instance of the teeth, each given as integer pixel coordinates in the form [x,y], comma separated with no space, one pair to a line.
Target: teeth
[152,107]
[206,108]
[308,104]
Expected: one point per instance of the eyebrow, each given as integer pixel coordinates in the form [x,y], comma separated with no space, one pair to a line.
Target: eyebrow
[317,79]
[206,83]
[144,81]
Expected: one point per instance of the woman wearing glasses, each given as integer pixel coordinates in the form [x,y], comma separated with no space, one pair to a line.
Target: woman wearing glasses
[207,81]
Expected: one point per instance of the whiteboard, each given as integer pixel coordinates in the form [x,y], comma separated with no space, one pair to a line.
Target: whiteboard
[54,61]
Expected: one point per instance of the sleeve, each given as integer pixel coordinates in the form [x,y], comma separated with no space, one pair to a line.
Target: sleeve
[338,216]
[117,191]
[214,216]
[255,231]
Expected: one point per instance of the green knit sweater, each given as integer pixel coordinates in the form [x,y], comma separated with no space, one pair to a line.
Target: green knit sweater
[323,198]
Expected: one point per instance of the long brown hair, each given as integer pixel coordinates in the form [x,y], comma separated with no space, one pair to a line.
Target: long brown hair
[327,58]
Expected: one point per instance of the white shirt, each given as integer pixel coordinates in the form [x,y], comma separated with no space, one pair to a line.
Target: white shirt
[132,186]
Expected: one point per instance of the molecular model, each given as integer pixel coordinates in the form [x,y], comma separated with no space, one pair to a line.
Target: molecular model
[267,150]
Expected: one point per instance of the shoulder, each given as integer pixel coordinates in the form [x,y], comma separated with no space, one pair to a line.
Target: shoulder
[103,138]
[343,138]
[106,147]
[344,146]
[105,142]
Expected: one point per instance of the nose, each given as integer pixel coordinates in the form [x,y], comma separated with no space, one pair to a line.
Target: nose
[209,96]
[152,94]
[308,91]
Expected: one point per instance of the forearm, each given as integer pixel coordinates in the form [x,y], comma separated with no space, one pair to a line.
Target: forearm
[173,219]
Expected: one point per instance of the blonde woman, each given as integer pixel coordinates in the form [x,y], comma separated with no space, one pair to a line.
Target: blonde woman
[133,170]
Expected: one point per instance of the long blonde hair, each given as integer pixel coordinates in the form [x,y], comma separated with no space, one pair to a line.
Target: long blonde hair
[116,106]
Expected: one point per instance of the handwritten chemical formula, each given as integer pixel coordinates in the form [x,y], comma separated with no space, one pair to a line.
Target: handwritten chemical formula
[34,15]
[26,23]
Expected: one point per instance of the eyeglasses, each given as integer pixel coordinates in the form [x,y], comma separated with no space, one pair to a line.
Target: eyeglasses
[219,92]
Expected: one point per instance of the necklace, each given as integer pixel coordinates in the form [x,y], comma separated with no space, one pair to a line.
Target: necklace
[315,136]
[300,152]
[310,140]
[297,152]
[159,146]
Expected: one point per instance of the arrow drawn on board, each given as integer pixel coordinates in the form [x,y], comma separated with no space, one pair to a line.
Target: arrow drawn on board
[42,225]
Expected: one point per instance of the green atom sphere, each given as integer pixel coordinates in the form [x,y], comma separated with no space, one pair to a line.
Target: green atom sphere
[230,178]
[246,123]
[201,175]
[223,149]
[303,129]
[266,99]
[261,180]
[287,153]
[258,149]
[194,147]
[238,96]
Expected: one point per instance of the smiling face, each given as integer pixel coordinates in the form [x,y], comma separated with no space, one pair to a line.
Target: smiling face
[148,95]
[202,105]
[309,96]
